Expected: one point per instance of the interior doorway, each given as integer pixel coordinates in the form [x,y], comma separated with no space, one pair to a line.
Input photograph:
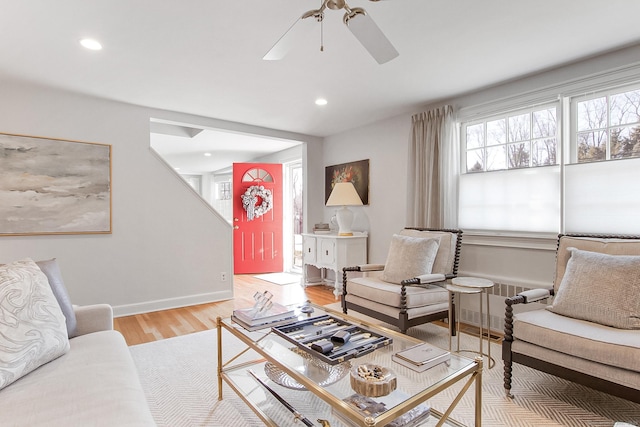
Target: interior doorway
[203,158]
[293,216]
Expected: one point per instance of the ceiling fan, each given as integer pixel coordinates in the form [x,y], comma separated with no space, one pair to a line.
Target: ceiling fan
[355,18]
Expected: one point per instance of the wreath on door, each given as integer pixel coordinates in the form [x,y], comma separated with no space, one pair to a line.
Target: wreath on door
[251,204]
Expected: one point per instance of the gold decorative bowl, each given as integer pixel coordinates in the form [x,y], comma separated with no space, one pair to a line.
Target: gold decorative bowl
[372,380]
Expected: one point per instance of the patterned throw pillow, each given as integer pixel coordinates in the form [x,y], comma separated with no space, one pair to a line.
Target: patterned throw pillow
[33,327]
[409,257]
[600,288]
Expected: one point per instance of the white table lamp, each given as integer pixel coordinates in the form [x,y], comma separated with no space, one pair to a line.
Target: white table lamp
[344,194]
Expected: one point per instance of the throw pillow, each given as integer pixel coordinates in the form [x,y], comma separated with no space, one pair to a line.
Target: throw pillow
[52,271]
[409,257]
[600,288]
[32,324]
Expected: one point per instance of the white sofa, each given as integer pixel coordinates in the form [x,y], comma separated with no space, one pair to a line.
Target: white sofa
[94,384]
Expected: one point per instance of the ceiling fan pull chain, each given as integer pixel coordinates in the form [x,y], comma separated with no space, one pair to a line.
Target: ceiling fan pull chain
[322,36]
[322,6]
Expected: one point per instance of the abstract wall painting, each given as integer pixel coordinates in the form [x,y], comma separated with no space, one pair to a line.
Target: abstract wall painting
[54,186]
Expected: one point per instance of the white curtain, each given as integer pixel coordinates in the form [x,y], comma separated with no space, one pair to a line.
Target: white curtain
[433,169]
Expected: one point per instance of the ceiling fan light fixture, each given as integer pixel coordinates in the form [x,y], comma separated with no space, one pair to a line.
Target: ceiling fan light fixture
[359,22]
[335,4]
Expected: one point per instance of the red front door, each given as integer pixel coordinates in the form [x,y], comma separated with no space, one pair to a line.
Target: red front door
[257,218]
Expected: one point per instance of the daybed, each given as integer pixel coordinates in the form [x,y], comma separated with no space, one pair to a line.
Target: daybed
[93,383]
[408,289]
[590,334]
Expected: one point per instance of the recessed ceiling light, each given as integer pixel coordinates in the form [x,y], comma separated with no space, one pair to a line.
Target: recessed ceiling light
[207,154]
[91,44]
[321,101]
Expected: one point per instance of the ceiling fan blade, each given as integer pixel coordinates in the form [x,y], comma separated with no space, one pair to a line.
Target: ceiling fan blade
[294,34]
[370,35]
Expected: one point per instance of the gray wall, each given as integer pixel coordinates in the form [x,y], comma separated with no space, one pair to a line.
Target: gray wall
[168,247]
[521,262]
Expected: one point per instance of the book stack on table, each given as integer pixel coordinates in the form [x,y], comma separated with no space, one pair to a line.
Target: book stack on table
[252,319]
[421,357]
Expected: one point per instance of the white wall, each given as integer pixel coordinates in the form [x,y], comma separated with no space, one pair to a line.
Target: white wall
[385,144]
[523,262]
[168,247]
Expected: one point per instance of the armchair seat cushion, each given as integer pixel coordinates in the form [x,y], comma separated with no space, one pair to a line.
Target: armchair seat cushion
[387,310]
[619,348]
[620,376]
[377,290]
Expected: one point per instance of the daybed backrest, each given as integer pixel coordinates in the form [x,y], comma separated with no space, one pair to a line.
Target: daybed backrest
[612,245]
[448,255]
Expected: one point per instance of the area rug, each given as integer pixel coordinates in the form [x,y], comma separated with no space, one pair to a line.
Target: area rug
[179,379]
[280,278]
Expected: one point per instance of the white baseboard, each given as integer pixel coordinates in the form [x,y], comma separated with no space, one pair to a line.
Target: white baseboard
[165,304]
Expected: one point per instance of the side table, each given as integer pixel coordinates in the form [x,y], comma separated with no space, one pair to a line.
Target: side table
[332,252]
[469,286]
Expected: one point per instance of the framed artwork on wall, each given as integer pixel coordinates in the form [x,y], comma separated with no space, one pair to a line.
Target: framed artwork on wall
[355,172]
[54,186]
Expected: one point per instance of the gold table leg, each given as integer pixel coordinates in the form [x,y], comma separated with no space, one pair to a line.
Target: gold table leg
[219,327]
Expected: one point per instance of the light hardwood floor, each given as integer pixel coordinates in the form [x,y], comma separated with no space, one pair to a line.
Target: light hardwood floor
[147,327]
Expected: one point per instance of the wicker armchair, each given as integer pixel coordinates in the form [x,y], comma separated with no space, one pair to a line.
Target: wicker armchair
[414,300]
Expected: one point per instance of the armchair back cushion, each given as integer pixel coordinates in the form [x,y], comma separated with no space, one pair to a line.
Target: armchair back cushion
[445,258]
[51,269]
[409,257]
[609,246]
[600,288]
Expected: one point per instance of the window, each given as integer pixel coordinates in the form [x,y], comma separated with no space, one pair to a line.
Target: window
[224,190]
[601,179]
[257,175]
[504,187]
[607,126]
[512,141]
[515,180]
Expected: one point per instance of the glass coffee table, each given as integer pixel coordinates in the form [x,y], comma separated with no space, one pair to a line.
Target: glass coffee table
[319,391]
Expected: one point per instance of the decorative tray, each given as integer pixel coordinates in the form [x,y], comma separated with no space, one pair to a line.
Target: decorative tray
[330,339]
[314,368]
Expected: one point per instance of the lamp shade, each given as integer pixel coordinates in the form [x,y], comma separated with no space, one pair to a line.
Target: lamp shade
[344,194]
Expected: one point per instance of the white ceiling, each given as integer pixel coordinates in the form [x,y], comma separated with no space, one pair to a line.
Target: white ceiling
[203,57]
[196,151]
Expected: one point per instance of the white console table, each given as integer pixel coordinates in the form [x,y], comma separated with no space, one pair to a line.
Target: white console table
[332,252]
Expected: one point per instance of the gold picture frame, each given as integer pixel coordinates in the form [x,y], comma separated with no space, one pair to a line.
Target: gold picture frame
[54,186]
